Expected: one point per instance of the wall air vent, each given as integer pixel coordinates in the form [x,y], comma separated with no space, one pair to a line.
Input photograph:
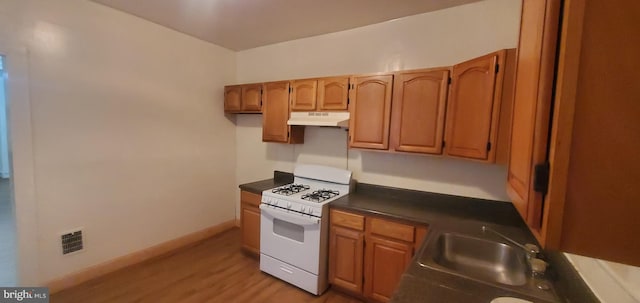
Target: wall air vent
[72,242]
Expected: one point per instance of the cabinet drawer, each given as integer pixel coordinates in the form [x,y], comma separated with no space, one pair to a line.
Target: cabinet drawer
[347,220]
[391,229]
[250,198]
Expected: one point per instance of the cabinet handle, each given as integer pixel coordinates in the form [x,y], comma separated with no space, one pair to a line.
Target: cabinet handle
[286,270]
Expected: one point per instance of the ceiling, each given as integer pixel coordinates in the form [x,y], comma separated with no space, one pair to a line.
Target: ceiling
[244,24]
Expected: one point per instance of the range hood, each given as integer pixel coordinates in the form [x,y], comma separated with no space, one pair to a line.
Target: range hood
[338,119]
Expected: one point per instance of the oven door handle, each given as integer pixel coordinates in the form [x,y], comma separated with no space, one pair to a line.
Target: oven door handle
[295,219]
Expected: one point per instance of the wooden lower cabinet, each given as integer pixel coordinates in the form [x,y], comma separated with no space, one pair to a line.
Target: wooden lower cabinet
[385,262]
[346,258]
[368,254]
[250,222]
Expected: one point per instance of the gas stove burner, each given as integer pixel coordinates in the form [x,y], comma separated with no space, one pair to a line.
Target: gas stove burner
[290,189]
[320,195]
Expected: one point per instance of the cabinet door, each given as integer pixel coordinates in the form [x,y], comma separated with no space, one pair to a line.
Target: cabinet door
[250,221]
[346,258]
[333,93]
[595,141]
[532,105]
[233,98]
[252,97]
[419,99]
[470,109]
[385,261]
[275,112]
[303,95]
[250,227]
[370,111]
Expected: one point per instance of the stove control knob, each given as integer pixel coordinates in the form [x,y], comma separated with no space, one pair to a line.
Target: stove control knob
[275,202]
[302,209]
[288,205]
[310,210]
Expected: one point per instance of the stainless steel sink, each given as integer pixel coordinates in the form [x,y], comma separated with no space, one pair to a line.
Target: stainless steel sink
[476,258]
[452,258]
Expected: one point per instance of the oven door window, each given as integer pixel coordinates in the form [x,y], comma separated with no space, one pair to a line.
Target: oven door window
[288,230]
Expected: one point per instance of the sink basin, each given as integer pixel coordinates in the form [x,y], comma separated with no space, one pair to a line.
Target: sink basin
[476,258]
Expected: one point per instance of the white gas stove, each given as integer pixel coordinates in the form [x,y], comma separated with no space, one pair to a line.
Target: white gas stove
[294,225]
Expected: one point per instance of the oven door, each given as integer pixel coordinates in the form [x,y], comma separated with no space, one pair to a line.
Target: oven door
[290,238]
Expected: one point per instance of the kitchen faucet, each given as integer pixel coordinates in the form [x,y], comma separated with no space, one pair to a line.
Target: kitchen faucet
[536,265]
[532,250]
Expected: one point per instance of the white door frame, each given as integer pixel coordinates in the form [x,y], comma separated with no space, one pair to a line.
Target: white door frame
[16,64]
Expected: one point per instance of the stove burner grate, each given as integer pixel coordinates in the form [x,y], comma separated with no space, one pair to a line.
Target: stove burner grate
[320,195]
[290,189]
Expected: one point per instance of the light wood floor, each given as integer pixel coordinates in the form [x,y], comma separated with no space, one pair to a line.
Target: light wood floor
[213,271]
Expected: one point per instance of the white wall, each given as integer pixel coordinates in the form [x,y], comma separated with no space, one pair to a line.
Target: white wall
[129,137]
[432,39]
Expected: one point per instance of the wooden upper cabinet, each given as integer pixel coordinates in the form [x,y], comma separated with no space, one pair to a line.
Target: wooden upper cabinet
[370,111]
[303,95]
[252,98]
[417,122]
[470,111]
[480,97]
[333,94]
[275,114]
[532,105]
[233,98]
[245,98]
[275,111]
[325,94]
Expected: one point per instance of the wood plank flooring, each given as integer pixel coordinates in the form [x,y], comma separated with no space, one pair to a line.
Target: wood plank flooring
[214,270]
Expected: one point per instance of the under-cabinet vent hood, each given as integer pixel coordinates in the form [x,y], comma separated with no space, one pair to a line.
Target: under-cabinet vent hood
[339,119]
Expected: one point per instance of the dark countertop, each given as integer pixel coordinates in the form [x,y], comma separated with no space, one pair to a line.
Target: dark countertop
[426,207]
[279,178]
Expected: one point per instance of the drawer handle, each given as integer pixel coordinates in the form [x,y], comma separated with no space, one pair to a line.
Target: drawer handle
[286,270]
